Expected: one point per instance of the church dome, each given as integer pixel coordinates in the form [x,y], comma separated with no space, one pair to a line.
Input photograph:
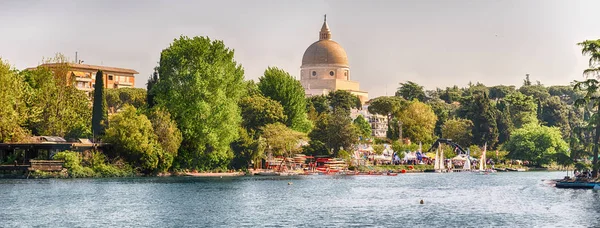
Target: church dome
[325,51]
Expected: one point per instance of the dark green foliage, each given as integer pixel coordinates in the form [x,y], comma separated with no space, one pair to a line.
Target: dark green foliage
[320,103]
[591,89]
[341,100]
[410,91]
[149,95]
[501,91]
[478,88]
[248,150]
[565,93]
[443,111]
[451,95]
[539,92]
[117,98]
[280,86]
[555,113]
[335,131]
[100,110]
[341,133]
[315,148]
[480,111]
[503,121]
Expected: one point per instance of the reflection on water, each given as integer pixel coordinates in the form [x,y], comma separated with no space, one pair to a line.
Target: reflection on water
[459,199]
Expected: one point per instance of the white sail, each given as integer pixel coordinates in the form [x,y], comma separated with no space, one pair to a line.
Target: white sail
[442,160]
[484,156]
[436,165]
[467,165]
[482,159]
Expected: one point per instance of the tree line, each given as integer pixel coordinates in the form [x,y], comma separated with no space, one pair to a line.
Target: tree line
[199,113]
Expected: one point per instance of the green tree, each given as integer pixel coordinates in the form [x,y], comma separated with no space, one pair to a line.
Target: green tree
[411,91]
[363,126]
[200,86]
[342,100]
[503,121]
[537,92]
[418,121]
[451,95]
[100,110]
[248,150]
[117,98]
[555,113]
[133,138]
[565,93]
[320,103]
[152,80]
[459,130]
[386,106]
[443,111]
[335,131]
[482,113]
[258,111]
[280,86]
[13,100]
[341,133]
[501,91]
[523,109]
[282,140]
[57,108]
[168,136]
[591,89]
[535,143]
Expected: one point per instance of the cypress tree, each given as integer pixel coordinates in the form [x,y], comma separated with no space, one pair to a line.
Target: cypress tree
[100,110]
[150,94]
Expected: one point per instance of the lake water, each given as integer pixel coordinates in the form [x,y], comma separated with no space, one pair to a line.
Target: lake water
[451,200]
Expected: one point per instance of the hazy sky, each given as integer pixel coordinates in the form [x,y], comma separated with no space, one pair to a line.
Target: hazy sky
[435,43]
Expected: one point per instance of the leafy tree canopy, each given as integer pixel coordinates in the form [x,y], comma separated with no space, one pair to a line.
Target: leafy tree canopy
[418,121]
[459,130]
[13,100]
[411,90]
[280,86]
[536,143]
[200,86]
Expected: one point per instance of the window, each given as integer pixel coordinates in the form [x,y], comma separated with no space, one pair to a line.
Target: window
[314,73]
[331,73]
[110,77]
[93,85]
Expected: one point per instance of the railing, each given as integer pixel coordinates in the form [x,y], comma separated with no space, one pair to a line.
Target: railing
[46,165]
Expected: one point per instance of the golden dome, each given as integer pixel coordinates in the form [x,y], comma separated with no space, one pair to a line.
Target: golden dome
[325,51]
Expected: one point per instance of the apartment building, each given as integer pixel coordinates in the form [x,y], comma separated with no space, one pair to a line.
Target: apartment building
[84,76]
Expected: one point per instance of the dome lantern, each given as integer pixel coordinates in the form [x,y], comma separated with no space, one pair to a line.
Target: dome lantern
[325,34]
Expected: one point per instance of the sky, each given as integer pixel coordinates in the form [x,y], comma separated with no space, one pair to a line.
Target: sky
[435,43]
